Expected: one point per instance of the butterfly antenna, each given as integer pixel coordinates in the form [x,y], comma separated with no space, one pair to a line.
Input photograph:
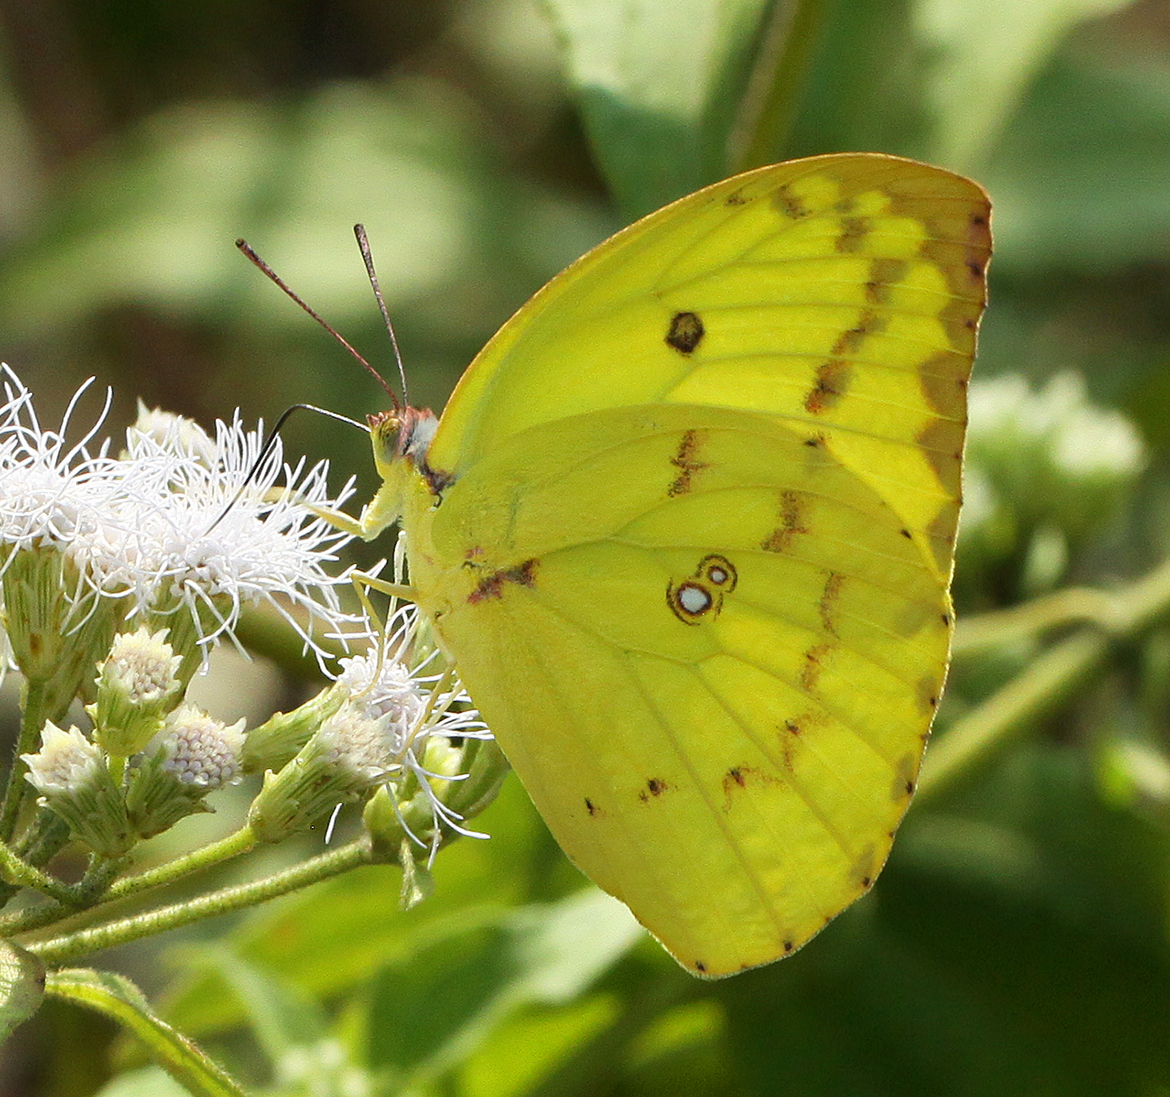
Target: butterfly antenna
[272,276]
[270,441]
[367,257]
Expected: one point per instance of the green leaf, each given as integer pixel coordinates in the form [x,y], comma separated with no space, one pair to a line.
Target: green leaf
[659,85]
[432,1010]
[1088,194]
[981,58]
[282,1017]
[116,997]
[22,986]
[147,1082]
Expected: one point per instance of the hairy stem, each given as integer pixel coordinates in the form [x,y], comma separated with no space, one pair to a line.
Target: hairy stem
[69,946]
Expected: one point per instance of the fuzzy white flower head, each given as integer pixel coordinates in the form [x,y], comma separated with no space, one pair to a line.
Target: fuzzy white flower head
[173,433]
[143,665]
[206,537]
[421,705]
[50,491]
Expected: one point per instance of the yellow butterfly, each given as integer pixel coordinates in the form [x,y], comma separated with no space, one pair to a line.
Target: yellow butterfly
[686,528]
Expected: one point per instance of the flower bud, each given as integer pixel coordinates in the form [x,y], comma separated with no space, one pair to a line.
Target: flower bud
[347,756]
[193,755]
[58,628]
[276,742]
[74,783]
[137,687]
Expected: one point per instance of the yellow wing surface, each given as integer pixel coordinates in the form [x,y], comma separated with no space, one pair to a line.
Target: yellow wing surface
[695,535]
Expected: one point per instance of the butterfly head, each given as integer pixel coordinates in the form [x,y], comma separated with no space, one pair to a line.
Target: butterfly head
[401,439]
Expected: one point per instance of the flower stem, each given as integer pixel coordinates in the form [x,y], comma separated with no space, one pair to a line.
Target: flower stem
[21,874]
[773,95]
[233,845]
[44,914]
[34,695]
[69,946]
[1049,680]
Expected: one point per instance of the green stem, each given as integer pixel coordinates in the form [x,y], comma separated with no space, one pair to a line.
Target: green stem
[217,852]
[773,96]
[1048,681]
[991,631]
[67,947]
[31,721]
[46,913]
[21,874]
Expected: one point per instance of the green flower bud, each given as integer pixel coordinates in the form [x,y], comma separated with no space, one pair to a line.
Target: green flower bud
[137,687]
[276,742]
[70,774]
[347,756]
[58,628]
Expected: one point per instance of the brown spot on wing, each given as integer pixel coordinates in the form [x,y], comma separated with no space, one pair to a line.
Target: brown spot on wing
[927,691]
[849,341]
[492,586]
[832,382]
[942,444]
[655,786]
[829,596]
[943,380]
[685,332]
[864,869]
[813,665]
[883,275]
[790,523]
[687,464]
[905,776]
[789,204]
[853,233]
[964,262]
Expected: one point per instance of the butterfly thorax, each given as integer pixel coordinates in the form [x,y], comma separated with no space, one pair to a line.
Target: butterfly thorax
[410,495]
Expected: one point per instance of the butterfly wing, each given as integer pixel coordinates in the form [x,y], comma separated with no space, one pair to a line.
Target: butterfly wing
[692,561]
[844,291]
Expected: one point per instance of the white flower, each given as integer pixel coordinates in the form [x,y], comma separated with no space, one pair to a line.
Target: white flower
[204,535]
[186,527]
[422,706]
[74,782]
[50,491]
[138,684]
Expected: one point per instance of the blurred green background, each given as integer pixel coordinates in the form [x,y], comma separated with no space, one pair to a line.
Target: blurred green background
[1018,941]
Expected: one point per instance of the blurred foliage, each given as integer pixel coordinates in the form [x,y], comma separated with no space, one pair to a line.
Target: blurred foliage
[1017,942]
